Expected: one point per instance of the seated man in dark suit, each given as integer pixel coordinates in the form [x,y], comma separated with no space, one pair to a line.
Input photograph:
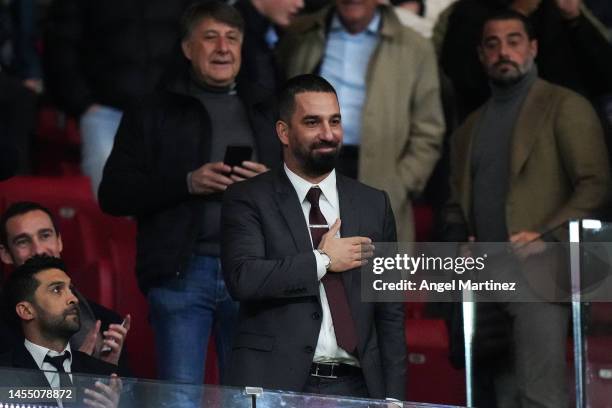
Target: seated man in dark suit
[39,298]
[28,229]
[302,325]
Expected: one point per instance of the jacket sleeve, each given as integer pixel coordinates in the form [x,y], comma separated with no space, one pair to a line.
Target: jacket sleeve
[390,326]
[584,157]
[454,226]
[64,76]
[249,273]
[131,185]
[426,125]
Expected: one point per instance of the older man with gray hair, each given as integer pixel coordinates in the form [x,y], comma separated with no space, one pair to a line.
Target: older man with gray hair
[173,158]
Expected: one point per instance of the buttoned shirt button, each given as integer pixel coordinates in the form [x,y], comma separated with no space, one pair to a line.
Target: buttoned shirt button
[316,316]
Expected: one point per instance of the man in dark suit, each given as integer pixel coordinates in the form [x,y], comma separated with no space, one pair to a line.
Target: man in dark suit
[28,229]
[302,325]
[39,298]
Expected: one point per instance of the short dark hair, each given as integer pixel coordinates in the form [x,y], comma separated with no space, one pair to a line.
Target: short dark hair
[20,208]
[214,9]
[22,283]
[509,14]
[297,85]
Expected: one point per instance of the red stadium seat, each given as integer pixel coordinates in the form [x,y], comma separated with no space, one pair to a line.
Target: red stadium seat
[57,148]
[100,253]
[431,378]
[129,298]
[599,371]
[70,201]
[598,384]
[100,283]
[601,314]
[75,188]
[423,222]
[57,127]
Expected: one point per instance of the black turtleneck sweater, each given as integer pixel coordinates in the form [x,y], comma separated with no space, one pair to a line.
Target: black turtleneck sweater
[491,152]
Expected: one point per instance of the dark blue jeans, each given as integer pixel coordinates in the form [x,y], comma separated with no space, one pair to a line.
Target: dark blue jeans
[183,311]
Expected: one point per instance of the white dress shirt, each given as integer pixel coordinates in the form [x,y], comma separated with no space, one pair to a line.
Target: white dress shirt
[39,353]
[345,65]
[327,348]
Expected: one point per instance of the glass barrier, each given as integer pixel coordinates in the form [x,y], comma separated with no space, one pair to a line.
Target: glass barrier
[28,389]
[513,301]
[592,315]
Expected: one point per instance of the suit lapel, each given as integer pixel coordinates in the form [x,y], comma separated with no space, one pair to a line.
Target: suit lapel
[77,365]
[349,214]
[527,127]
[22,359]
[463,145]
[348,208]
[291,209]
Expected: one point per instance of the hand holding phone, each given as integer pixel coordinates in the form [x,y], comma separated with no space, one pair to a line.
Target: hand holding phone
[210,178]
[247,170]
[235,155]
[116,336]
[107,349]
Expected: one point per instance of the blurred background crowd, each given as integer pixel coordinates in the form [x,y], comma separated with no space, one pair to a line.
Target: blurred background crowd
[70,69]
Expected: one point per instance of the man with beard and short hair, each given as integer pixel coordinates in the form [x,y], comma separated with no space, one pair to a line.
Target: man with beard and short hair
[572,51]
[293,241]
[386,77]
[27,229]
[532,158]
[39,298]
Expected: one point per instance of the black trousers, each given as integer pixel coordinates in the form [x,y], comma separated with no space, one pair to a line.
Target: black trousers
[347,386]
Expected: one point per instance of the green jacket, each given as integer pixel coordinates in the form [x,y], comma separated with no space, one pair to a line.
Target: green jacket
[558,166]
[402,120]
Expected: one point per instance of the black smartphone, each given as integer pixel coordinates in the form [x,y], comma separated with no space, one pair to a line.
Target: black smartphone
[235,155]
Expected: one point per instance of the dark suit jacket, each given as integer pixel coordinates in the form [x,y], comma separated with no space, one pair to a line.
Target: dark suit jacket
[20,358]
[270,268]
[11,334]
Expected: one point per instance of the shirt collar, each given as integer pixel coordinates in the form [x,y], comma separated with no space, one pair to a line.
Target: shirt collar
[372,28]
[327,186]
[39,352]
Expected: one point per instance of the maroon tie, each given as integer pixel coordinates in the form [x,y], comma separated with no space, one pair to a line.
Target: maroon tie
[344,326]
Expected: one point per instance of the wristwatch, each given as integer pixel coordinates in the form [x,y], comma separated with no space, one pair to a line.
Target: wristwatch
[326,259]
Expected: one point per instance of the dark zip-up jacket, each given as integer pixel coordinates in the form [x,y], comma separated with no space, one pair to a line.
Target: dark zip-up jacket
[158,143]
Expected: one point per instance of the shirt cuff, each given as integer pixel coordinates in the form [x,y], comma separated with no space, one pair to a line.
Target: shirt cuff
[321,271]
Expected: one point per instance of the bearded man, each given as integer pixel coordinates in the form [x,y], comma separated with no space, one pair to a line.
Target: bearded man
[39,297]
[529,160]
[293,241]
